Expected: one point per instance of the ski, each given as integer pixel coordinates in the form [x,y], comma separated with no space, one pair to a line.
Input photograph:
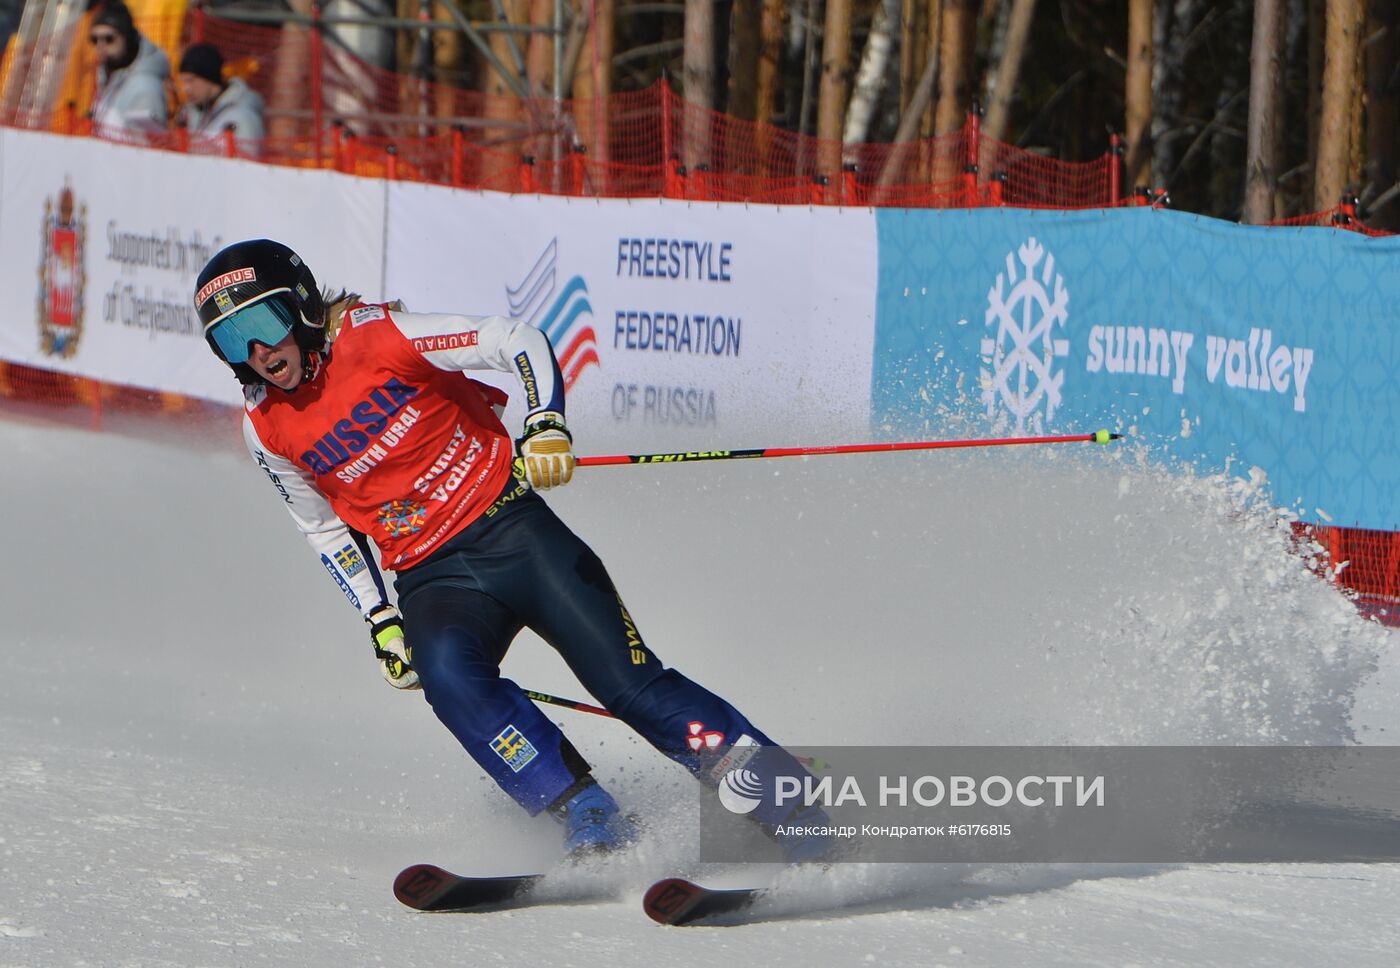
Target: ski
[678,901]
[427,887]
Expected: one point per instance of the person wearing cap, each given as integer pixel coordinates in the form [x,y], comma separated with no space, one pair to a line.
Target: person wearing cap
[213,105]
[131,75]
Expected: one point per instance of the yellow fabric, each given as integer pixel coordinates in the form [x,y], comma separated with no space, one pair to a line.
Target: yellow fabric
[7,61]
[162,21]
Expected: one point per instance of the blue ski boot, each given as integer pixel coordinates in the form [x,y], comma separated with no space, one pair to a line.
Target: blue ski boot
[592,822]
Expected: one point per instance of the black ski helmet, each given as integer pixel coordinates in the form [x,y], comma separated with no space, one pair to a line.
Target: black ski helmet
[253,271]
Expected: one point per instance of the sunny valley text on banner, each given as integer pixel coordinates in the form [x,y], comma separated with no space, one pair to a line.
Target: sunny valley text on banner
[1225,345]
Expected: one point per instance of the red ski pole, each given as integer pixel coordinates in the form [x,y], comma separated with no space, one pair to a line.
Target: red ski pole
[1097,437]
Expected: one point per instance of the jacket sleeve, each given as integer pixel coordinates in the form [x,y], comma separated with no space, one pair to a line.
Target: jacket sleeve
[344,553]
[145,110]
[451,342]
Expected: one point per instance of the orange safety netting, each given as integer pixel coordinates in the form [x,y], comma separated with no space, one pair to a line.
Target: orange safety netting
[1340,216]
[1365,562]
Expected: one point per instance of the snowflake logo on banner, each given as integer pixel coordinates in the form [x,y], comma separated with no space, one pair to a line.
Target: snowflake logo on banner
[1022,355]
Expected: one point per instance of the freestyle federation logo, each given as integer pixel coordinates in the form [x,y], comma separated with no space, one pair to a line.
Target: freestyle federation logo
[561,318]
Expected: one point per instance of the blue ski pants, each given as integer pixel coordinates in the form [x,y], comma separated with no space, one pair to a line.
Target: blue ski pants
[519,566]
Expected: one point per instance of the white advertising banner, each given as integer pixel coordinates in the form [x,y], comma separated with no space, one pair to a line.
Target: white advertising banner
[109,240]
[677,325]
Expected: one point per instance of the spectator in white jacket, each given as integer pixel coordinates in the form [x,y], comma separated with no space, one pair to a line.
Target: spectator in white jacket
[132,74]
[213,105]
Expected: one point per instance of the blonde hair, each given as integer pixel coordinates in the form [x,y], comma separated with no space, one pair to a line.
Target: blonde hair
[337,303]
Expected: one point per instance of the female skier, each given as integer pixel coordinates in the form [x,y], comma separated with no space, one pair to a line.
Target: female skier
[363,420]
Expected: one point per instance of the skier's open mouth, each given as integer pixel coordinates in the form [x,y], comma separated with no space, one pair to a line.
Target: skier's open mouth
[277,368]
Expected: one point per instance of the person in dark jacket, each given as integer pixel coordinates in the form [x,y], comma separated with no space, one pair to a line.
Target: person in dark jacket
[212,104]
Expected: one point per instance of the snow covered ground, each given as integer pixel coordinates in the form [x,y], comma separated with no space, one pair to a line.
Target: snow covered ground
[201,767]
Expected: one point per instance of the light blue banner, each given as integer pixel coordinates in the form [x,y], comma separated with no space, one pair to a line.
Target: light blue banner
[1227,344]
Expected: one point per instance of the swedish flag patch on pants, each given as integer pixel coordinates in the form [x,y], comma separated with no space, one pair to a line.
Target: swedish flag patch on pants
[512,747]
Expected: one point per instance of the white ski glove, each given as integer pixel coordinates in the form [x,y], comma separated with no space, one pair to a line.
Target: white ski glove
[547,450]
[386,632]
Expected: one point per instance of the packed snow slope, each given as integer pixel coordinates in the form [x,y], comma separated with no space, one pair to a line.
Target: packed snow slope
[200,765]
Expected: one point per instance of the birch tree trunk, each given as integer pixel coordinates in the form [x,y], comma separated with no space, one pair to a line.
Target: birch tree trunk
[1265,68]
[1138,95]
[912,48]
[835,84]
[870,78]
[593,78]
[770,62]
[1008,72]
[933,37]
[1357,115]
[698,71]
[919,101]
[698,79]
[958,45]
[1338,81]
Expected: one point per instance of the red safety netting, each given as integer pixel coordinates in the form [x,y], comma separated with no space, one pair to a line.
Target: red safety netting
[1340,216]
[1365,562]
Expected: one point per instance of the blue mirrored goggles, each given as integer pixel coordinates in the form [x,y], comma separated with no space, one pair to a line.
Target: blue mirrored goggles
[267,321]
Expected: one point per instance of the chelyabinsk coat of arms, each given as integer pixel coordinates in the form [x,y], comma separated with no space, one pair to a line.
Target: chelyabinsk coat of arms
[61,274]
[1023,351]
